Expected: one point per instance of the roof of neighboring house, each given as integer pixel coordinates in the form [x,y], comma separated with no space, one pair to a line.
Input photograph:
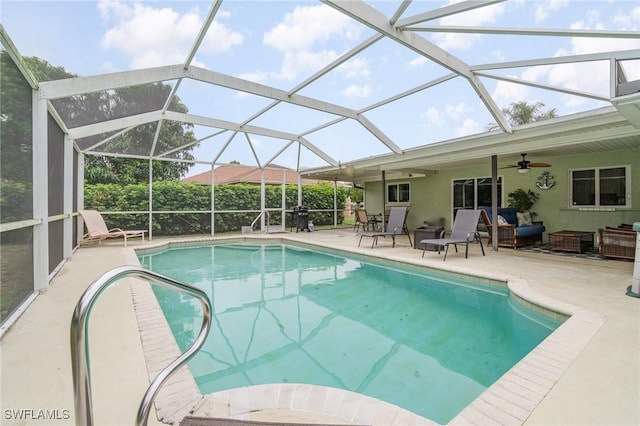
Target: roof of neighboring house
[236,173]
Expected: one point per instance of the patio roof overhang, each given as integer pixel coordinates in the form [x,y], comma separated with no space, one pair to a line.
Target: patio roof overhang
[605,129]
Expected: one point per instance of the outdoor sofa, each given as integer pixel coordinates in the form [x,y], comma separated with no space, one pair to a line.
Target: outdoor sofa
[510,234]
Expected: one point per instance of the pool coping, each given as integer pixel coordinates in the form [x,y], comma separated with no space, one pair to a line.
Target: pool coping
[509,400]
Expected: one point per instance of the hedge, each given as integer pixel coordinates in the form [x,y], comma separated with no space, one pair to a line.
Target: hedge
[176,196]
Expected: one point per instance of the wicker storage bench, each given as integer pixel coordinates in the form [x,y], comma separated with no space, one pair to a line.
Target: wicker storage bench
[617,242]
[575,241]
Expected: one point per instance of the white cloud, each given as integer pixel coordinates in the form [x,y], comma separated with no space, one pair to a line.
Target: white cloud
[628,21]
[432,115]
[418,62]
[469,127]
[591,77]
[107,67]
[454,111]
[301,35]
[439,119]
[301,61]
[505,93]
[474,18]
[355,91]
[355,68]
[543,9]
[160,36]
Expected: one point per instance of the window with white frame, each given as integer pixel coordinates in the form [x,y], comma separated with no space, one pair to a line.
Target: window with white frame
[398,193]
[600,187]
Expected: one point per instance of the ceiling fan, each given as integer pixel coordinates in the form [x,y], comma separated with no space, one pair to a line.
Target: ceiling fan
[524,165]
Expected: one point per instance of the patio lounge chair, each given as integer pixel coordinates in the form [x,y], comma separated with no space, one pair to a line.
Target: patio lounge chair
[97,229]
[464,231]
[395,226]
[362,220]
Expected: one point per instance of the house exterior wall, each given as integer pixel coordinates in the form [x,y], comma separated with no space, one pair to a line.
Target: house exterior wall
[431,196]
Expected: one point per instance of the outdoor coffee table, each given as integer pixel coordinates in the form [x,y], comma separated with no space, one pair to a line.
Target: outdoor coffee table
[576,241]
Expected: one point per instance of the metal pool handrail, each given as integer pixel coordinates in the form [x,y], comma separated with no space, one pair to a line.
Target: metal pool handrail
[264,211]
[80,342]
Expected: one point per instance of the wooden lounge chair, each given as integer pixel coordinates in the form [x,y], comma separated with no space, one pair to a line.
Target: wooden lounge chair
[97,229]
[464,231]
[395,226]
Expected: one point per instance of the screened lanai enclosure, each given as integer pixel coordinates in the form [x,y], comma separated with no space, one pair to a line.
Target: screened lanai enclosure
[346,92]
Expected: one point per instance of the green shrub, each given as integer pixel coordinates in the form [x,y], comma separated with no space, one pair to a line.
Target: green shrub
[171,196]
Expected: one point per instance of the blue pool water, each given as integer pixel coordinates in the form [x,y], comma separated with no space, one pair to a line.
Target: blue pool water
[428,343]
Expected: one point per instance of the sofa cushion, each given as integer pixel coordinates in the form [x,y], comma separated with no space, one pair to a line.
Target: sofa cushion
[524,219]
[502,220]
[530,230]
[509,213]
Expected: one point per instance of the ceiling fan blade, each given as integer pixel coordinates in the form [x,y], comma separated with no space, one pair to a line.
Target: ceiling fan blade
[539,165]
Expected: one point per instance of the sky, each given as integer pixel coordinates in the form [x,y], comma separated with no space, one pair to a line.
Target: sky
[281,44]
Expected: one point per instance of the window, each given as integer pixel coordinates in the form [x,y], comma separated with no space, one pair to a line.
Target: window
[474,192]
[600,187]
[398,193]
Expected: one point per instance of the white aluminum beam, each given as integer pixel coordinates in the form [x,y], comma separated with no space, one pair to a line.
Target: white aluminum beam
[114,125]
[399,11]
[203,32]
[558,60]
[13,53]
[545,86]
[228,125]
[64,88]
[448,10]
[262,90]
[526,31]
[317,151]
[370,17]
[253,151]
[410,92]
[40,189]
[378,134]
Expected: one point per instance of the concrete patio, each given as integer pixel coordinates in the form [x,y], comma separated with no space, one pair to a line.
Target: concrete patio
[600,386]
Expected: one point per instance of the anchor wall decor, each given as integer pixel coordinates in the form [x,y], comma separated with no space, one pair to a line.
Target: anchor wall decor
[546,181]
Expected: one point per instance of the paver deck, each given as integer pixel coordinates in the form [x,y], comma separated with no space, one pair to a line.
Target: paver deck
[588,372]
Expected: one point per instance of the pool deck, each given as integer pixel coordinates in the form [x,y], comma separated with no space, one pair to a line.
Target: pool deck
[587,373]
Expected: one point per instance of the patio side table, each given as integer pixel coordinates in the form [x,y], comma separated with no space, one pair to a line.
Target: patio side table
[575,241]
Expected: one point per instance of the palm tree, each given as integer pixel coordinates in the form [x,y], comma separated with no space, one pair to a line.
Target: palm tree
[519,113]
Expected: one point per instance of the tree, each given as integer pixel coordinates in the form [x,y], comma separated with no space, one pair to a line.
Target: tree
[519,113]
[105,105]
[15,123]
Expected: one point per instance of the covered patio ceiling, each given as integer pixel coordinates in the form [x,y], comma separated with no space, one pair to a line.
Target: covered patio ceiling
[343,90]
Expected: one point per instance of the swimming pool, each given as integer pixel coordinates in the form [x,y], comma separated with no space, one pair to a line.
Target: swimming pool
[290,314]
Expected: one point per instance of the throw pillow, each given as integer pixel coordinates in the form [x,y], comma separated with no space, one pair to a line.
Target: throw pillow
[524,219]
[502,220]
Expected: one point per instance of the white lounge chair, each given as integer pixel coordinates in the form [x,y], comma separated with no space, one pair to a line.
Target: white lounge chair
[395,226]
[97,229]
[464,231]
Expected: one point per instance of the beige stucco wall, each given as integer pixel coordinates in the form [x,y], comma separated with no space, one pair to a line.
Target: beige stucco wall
[431,195]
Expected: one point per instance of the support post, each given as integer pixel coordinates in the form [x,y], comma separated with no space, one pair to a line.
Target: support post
[40,184]
[494,202]
[634,289]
